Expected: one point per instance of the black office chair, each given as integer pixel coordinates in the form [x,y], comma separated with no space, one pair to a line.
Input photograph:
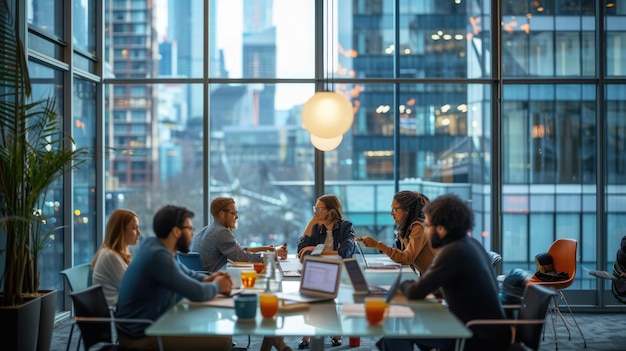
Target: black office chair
[95,320]
[531,318]
[77,278]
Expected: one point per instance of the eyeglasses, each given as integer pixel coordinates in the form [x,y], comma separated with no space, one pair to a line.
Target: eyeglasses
[394,210]
[187,227]
[317,209]
[232,213]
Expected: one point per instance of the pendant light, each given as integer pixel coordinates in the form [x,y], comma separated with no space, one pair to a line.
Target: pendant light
[327,115]
[326,144]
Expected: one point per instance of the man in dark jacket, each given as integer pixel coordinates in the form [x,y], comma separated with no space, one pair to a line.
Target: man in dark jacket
[464,275]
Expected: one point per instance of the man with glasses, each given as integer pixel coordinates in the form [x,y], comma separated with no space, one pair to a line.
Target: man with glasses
[216,243]
[155,281]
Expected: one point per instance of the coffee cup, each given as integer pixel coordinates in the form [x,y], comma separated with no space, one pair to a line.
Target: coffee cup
[248,278]
[235,277]
[259,267]
[246,306]
[269,304]
[376,310]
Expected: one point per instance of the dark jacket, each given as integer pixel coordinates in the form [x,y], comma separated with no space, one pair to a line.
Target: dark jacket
[343,240]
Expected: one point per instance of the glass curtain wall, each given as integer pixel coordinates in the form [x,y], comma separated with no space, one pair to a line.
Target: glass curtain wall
[203,98]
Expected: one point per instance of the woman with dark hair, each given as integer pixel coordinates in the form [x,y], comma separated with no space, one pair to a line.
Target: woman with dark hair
[413,246]
[327,227]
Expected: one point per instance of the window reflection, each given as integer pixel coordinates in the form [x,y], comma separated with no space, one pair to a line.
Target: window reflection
[47,83]
[417,132]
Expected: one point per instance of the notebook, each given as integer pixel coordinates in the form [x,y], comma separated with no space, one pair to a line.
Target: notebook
[377,264]
[357,278]
[319,281]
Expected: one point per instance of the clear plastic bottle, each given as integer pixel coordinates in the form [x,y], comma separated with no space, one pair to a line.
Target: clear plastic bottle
[272,274]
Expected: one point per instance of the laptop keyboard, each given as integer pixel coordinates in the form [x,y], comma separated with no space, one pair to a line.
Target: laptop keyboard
[295,273]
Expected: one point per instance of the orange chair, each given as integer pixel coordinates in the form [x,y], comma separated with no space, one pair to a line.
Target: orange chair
[563,252]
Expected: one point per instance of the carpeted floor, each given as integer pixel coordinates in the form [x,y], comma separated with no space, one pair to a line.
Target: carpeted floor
[605,332]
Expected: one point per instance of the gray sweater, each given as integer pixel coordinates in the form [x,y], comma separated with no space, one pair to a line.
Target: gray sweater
[216,244]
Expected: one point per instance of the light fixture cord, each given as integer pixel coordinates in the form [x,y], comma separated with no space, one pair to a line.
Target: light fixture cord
[327,47]
[331,45]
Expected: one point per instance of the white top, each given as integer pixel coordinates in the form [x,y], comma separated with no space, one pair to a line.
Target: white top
[108,272]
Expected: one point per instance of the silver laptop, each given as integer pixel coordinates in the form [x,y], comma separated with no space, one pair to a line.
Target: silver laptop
[357,278]
[383,264]
[319,282]
[290,267]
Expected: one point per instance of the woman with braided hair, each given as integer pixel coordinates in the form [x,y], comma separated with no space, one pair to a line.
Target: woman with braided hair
[412,245]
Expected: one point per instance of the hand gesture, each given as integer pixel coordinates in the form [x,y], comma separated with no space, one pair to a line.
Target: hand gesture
[369,242]
[281,252]
[304,251]
[224,283]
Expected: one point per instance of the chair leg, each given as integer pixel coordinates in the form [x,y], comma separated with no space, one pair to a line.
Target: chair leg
[555,311]
[69,339]
[573,318]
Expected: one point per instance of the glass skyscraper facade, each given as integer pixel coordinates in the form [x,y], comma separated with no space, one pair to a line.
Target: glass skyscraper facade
[516,106]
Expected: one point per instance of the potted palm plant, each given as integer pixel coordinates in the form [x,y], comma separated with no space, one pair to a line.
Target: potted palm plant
[34,153]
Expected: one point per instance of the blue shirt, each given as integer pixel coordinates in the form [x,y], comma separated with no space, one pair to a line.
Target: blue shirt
[154,282]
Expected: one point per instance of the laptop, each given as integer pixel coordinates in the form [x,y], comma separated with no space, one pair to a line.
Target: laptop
[395,288]
[319,281]
[386,264]
[357,278]
[290,268]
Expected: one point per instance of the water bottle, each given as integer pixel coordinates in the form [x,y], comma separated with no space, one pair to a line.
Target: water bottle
[269,258]
[272,277]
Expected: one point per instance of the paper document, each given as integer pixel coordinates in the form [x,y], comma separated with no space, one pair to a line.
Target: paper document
[358,310]
[218,301]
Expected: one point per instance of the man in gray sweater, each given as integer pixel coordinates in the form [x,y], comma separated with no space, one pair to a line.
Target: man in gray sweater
[216,243]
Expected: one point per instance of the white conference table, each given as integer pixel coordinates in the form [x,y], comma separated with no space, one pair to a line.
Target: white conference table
[430,320]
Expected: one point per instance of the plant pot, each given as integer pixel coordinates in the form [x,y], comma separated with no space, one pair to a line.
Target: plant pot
[46,319]
[29,327]
[20,326]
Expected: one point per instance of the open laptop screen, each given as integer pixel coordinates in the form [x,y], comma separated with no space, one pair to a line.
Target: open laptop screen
[322,276]
[356,275]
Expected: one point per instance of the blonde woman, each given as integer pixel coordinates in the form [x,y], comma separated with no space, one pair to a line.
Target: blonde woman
[112,259]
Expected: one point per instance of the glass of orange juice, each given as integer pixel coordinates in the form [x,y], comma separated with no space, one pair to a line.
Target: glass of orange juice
[269,304]
[248,278]
[376,310]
